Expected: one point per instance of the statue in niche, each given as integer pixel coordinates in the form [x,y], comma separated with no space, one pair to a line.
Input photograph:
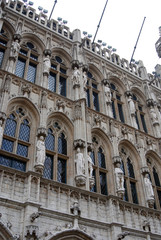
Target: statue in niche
[148,187]
[40,151]
[76,76]
[15,48]
[107,93]
[79,162]
[46,64]
[131,105]
[1,132]
[84,79]
[153,115]
[90,165]
[119,177]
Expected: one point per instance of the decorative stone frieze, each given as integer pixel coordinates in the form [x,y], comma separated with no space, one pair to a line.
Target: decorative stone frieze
[32,232]
[60,105]
[41,131]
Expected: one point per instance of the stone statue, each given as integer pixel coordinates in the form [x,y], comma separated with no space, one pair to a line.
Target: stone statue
[131,106]
[84,79]
[90,165]
[40,151]
[1,132]
[119,177]
[76,76]
[148,187]
[153,115]
[79,163]
[15,48]
[46,64]
[107,93]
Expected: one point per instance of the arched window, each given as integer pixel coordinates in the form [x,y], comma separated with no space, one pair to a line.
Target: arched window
[117,103]
[129,177]
[16,140]
[57,77]
[99,168]
[156,180]
[139,115]
[92,92]
[55,166]
[27,62]
[3,45]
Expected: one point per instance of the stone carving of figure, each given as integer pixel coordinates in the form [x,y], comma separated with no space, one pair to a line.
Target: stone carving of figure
[148,187]
[15,47]
[107,93]
[84,79]
[40,151]
[119,177]
[79,163]
[46,64]
[76,76]
[90,165]
[131,105]
[153,115]
[1,132]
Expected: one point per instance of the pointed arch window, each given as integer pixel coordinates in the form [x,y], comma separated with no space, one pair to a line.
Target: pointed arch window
[58,76]
[117,104]
[55,166]
[3,45]
[156,177]
[16,140]
[27,62]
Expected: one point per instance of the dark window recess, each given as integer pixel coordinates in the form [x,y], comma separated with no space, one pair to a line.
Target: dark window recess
[94,85]
[34,57]
[118,97]
[50,140]
[48,167]
[125,195]
[62,144]
[58,59]
[130,169]
[30,45]
[159,197]
[1,56]
[23,52]
[31,74]
[62,86]
[95,101]
[156,177]
[122,167]
[88,98]
[121,112]
[136,117]
[53,66]
[10,162]
[52,82]
[62,70]
[133,192]
[113,109]
[61,171]
[143,122]
[103,183]
[10,127]
[20,67]
[101,159]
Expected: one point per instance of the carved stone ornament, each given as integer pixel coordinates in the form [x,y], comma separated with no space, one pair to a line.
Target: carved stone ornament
[44,99]
[77,111]
[151,203]
[17,37]
[75,210]
[122,235]
[34,216]
[79,143]
[144,170]
[7,83]
[91,182]
[60,105]
[47,52]
[26,89]
[105,81]
[2,117]
[41,131]
[75,63]
[80,180]
[32,232]
[117,159]
[128,94]
[150,102]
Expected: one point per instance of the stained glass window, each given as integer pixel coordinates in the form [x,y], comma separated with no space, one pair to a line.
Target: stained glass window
[52,82]
[62,144]
[101,159]
[20,67]
[24,133]
[61,170]
[48,167]
[103,183]
[10,127]
[50,140]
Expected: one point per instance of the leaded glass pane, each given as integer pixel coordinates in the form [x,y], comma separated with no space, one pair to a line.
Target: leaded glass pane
[136,117]
[122,167]
[20,67]
[133,192]
[5,161]
[93,157]
[61,173]
[48,167]
[121,112]
[103,184]
[62,70]
[62,144]
[62,86]
[130,169]
[159,197]
[88,98]
[113,109]
[50,140]
[31,74]
[7,145]
[95,101]
[10,127]
[52,82]
[143,122]
[22,150]
[10,162]
[156,177]
[125,195]
[24,133]
[101,159]
[1,56]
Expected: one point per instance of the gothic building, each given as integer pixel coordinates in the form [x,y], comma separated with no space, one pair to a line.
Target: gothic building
[80,135]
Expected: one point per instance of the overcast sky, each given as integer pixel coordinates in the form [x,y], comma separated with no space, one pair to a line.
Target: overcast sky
[120,25]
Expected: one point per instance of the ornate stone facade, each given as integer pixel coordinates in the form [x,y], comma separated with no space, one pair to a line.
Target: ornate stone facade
[80,136]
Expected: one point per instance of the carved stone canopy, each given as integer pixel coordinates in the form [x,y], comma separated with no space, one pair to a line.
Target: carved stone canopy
[117,159]
[128,94]
[105,81]
[79,143]
[144,170]
[17,36]
[41,132]
[47,52]
[75,63]
[2,116]
[150,102]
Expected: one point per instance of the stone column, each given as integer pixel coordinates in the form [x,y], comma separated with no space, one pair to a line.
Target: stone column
[46,67]
[14,51]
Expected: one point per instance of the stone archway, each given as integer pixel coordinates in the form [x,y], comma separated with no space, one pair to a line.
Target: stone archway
[5,233]
[74,234]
